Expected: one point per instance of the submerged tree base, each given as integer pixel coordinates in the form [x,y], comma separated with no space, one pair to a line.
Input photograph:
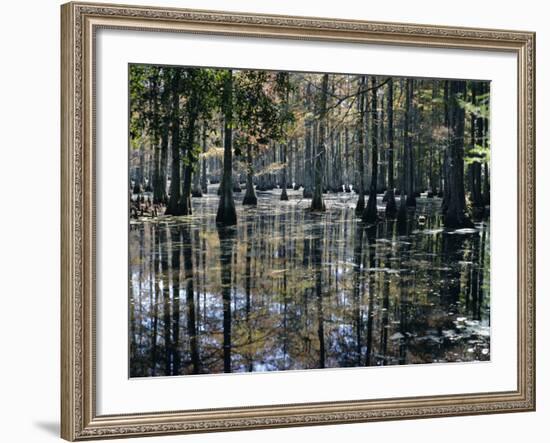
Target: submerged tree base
[284,195]
[370,214]
[391,205]
[226,216]
[251,200]
[454,221]
[317,204]
[411,200]
[360,206]
[227,213]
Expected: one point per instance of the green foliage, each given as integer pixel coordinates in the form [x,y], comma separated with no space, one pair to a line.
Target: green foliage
[138,91]
[478,154]
[261,110]
[149,93]
[478,109]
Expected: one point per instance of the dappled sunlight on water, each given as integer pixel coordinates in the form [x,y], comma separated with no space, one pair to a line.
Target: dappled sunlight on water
[287,289]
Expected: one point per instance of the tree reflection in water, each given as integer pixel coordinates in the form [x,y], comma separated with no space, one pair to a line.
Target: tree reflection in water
[288,289]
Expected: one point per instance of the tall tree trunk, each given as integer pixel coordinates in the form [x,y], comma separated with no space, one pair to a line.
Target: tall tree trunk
[434,123]
[391,206]
[308,179]
[189,152]
[411,199]
[346,174]
[284,195]
[250,194]
[290,161]
[138,183]
[185,201]
[191,160]
[455,213]
[317,203]
[402,211]
[159,193]
[485,88]
[173,207]
[476,139]
[370,214]
[486,184]
[227,214]
[162,197]
[361,137]
[382,153]
[204,179]
[445,163]
[196,190]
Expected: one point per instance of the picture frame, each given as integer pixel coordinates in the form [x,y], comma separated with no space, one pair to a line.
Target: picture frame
[80,23]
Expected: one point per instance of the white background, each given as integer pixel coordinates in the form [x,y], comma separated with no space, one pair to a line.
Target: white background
[117,394]
[29,223]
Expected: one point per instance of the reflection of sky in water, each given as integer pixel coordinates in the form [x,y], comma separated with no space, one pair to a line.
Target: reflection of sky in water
[305,290]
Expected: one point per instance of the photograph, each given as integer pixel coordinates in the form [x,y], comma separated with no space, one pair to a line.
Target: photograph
[275,217]
[298,220]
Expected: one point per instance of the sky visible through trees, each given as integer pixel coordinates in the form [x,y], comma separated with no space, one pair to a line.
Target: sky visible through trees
[286,220]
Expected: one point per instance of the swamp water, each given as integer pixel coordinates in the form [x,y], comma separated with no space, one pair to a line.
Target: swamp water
[288,289]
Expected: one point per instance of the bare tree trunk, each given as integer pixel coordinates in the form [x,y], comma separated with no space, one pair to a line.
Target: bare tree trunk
[227,214]
[290,161]
[455,213]
[250,194]
[204,179]
[173,207]
[485,143]
[308,193]
[445,163]
[189,153]
[162,197]
[434,123]
[476,139]
[411,198]
[317,203]
[370,214]
[159,193]
[402,211]
[391,206]
[196,190]
[284,195]
[185,201]
[361,137]
[346,174]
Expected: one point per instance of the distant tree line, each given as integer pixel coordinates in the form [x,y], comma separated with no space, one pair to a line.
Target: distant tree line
[318,133]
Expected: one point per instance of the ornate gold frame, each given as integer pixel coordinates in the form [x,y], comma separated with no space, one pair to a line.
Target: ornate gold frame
[79,21]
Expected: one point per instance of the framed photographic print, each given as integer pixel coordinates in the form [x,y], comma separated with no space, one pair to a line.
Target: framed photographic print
[282,221]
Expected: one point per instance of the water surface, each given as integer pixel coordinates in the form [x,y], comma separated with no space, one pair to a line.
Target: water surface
[287,289]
